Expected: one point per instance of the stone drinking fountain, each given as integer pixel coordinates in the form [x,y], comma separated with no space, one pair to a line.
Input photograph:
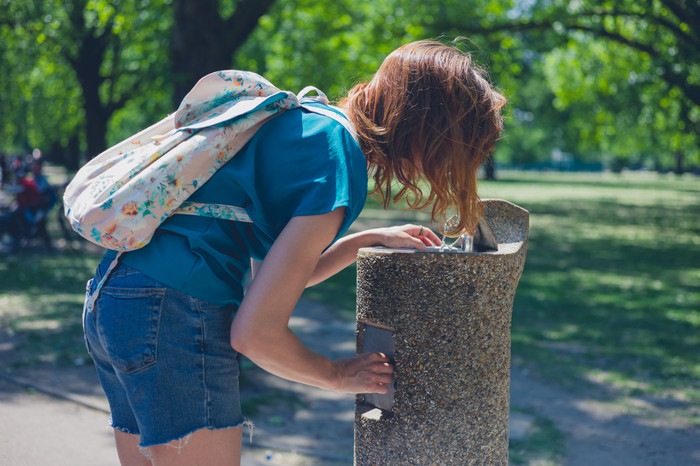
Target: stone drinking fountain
[444,316]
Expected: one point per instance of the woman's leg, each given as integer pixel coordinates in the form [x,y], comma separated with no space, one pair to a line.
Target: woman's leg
[128,450]
[203,447]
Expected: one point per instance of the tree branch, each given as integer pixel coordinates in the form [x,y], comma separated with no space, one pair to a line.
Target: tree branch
[114,105]
[244,20]
[549,24]
[617,37]
[691,91]
[674,28]
[685,12]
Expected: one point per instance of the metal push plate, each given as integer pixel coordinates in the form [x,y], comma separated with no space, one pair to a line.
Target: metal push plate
[376,339]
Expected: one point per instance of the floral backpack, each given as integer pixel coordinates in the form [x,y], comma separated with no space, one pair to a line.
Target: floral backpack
[118,199]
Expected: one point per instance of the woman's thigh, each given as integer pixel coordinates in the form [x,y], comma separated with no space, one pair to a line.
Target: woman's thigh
[222,446]
[128,449]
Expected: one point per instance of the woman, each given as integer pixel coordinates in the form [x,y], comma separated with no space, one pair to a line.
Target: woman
[171,318]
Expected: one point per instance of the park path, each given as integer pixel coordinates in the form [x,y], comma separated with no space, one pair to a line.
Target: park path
[299,425]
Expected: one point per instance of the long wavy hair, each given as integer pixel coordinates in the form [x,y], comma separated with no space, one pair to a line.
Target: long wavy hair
[429,113]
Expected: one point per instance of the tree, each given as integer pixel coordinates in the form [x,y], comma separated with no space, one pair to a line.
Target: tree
[206,35]
[331,45]
[71,73]
[659,39]
[117,58]
[112,50]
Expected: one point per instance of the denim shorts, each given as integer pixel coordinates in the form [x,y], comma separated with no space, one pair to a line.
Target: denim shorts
[163,357]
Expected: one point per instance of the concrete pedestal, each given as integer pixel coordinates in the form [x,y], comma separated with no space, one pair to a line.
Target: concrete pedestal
[446,319]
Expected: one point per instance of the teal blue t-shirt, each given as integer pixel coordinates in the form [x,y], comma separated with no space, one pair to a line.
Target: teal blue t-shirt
[299,163]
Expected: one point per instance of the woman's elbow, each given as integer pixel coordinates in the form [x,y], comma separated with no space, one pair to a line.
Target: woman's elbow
[247,343]
[238,343]
[240,340]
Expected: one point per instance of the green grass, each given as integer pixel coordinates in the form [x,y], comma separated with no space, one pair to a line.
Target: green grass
[41,298]
[609,299]
[610,296]
[270,401]
[339,291]
[544,444]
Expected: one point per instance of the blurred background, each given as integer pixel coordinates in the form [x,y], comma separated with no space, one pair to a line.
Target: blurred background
[591,84]
[601,145]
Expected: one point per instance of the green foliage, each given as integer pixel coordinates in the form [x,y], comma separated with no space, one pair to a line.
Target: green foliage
[624,111]
[331,45]
[602,80]
[40,305]
[624,75]
[36,94]
[48,44]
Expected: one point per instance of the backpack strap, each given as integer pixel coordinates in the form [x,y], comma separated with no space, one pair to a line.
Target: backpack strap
[222,211]
[91,298]
[239,214]
[337,114]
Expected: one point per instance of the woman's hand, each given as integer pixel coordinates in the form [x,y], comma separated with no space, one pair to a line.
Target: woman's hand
[414,236]
[365,373]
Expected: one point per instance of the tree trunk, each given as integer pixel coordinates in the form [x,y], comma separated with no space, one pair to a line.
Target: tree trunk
[95,131]
[204,42]
[96,115]
[490,168]
[86,62]
[679,163]
[72,154]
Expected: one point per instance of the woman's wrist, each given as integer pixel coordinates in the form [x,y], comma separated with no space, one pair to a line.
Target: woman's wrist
[367,238]
[336,380]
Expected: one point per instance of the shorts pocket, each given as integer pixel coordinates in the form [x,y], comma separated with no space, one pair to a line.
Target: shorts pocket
[128,321]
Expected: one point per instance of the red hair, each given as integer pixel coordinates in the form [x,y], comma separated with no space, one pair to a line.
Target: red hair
[428,113]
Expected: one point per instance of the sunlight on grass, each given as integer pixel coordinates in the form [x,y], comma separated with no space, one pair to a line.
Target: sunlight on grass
[610,294]
[544,446]
[617,258]
[611,283]
[41,299]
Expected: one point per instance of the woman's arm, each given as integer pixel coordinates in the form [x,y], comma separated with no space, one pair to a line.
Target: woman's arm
[344,251]
[260,328]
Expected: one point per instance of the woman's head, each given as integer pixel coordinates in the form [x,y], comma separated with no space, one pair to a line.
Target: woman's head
[429,113]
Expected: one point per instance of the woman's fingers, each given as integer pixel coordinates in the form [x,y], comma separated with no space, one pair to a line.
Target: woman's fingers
[366,373]
[375,357]
[428,237]
[415,236]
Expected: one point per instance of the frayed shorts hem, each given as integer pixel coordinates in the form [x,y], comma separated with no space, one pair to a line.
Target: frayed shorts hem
[185,437]
[123,429]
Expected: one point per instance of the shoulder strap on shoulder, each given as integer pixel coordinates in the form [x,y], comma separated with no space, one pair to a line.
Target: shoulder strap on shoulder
[339,117]
[336,114]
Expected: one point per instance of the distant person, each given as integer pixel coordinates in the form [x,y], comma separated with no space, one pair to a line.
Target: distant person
[19,220]
[48,195]
[4,171]
[16,167]
[172,317]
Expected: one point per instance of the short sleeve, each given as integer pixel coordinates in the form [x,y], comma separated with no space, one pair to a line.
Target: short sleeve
[309,165]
